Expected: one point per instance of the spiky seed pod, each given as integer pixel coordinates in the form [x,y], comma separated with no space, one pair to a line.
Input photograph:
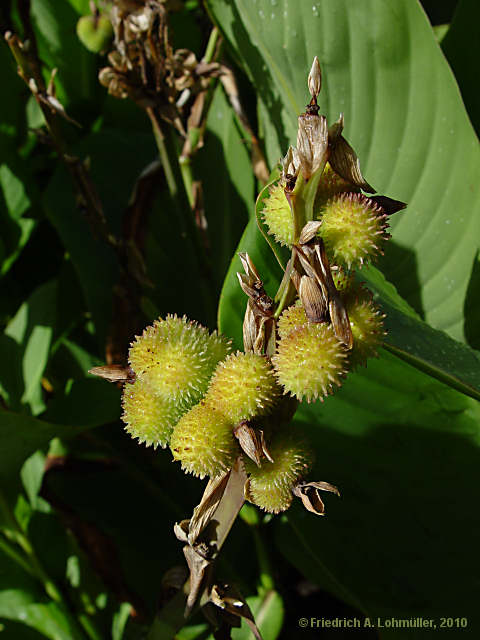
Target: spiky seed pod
[176,358]
[353,229]
[277,215]
[243,386]
[270,486]
[203,441]
[366,322]
[148,417]
[95,33]
[291,318]
[342,278]
[310,361]
[330,185]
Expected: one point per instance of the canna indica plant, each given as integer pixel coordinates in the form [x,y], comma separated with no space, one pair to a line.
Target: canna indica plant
[228,415]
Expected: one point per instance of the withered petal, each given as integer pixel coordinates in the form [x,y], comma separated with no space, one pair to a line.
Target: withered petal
[203,512]
[229,599]
[389,205]
[313,299]
[309,493]
[309,231]
[345,162]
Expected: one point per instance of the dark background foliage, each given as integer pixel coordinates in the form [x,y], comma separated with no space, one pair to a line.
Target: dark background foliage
[86,514]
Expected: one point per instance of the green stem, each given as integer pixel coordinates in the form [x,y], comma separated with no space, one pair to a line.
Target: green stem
[288,295]
[187,176]
[162,152]
[181,201]
[266,578]
[211,45]
[9,550]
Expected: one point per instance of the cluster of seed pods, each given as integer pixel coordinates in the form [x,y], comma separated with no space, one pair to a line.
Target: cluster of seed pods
[213,407]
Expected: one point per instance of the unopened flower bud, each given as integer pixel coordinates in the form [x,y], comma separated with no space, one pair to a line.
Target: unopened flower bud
[315,78]
[270,486]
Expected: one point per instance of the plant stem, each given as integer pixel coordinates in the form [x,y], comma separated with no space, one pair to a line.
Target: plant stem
[181,201]
[162,152]
[211,45]
[187,176]
[266,578]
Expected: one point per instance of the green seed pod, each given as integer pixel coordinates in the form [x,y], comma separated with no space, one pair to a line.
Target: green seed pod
[243,386]
[203,441]
[291,318]
[95,33]
[342,278]
[331,184]
[176,359]
[147,417]
[309,361]
[366,324]
[277,215]
[353,229]
[270,486]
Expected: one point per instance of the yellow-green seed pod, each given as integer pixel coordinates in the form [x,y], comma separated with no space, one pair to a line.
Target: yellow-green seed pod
[342,278]
[291,318]
[331,184]
[176,358]
[243,386]
[203,441]
[270,486]
[366,322]
[310,361]
[148,417]
[353,229]
[277,215]
[95,33]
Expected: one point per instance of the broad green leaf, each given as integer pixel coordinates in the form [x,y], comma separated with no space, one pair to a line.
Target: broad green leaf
[59,48]
[14,192]
[32,474]
[403,450]
[14,96]
[28,338]
[267,611]
[193,632]
[21,436]
[18,190]
[428,349]
[120,620]
[404,116]
[461,46]
[22,600]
